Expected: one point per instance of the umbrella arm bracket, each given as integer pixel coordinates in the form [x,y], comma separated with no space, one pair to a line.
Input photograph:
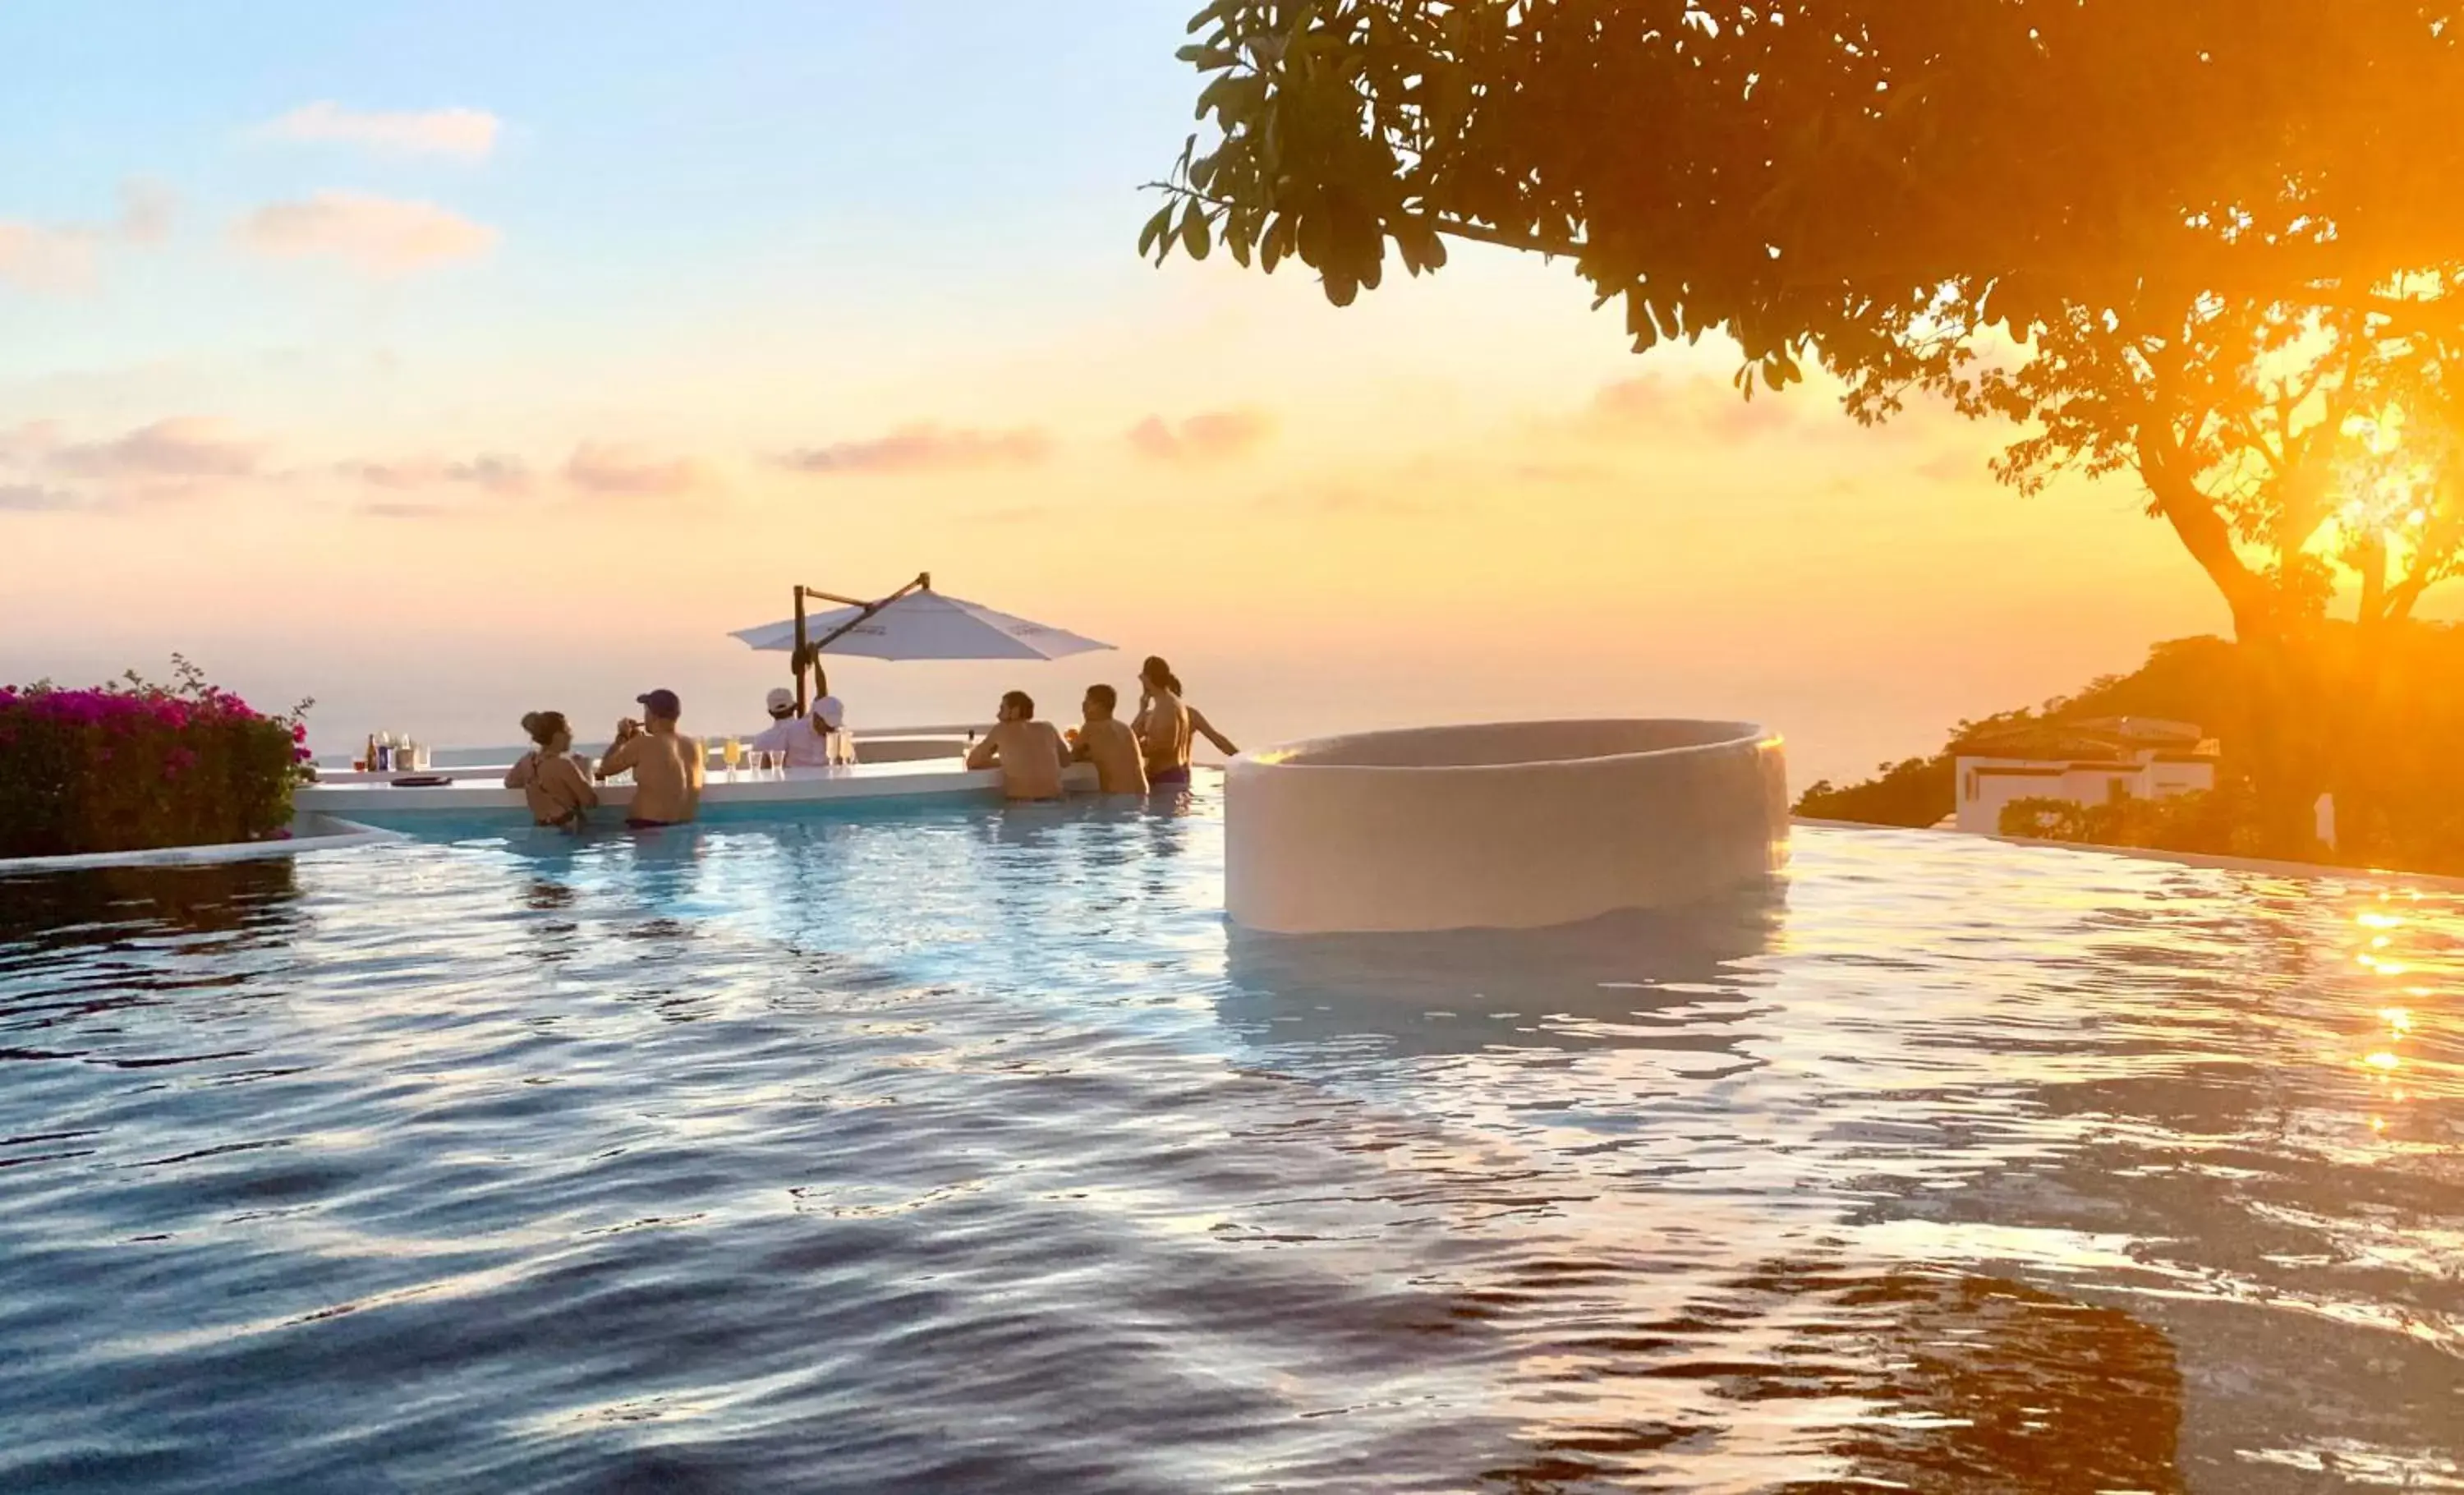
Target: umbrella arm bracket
[806,654]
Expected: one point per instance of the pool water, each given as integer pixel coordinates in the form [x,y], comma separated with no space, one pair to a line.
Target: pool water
[964,1149]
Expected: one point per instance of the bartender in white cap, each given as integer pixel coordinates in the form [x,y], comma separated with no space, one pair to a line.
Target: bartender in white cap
[803,741]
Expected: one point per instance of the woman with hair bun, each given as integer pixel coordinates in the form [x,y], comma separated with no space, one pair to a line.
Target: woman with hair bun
[1165,723]
[553,782]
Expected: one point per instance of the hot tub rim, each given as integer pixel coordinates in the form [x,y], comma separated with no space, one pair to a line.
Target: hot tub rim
[1282,759]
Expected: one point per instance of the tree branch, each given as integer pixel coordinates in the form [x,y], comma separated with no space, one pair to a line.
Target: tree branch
[2202,529]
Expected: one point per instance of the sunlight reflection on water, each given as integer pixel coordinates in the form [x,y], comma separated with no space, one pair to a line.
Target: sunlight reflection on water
[969,1150]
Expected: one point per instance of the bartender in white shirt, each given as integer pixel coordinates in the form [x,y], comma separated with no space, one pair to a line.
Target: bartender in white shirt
[803,741]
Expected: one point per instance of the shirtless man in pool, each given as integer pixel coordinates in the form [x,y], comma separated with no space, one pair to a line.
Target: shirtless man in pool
[667,765]
[1108,743]
[1029,754]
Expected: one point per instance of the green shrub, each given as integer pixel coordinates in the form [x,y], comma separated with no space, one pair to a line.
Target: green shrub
[2218,822]
[1917,792]
[134,766]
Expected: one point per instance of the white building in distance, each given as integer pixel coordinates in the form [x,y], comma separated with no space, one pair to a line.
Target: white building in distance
[2087,762]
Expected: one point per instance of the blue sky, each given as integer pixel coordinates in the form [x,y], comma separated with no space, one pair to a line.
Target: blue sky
[688,242]
[694,159]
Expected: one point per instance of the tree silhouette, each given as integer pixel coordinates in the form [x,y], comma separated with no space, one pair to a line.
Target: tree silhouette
[2217,244]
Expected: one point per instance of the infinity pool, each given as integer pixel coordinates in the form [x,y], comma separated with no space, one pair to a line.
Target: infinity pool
[965,1150]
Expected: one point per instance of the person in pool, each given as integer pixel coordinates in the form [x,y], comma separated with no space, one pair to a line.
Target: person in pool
[1029,754]
[1198,722]
[1161,725]
[551,781]
[667,772]
[1108,743]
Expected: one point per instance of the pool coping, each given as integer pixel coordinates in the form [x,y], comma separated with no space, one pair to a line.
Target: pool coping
[311,830]
[321,831]
[2198,859]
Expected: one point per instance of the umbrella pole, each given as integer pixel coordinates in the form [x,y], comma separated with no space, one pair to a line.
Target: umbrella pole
[795,660]
[811,654]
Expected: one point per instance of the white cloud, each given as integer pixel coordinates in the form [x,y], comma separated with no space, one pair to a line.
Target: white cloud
[425,132]
[145,212]
[378,236]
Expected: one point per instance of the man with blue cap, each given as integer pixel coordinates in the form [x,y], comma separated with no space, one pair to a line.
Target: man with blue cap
[668,766]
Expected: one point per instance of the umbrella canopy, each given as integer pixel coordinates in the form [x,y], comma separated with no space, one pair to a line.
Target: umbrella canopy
[926,624]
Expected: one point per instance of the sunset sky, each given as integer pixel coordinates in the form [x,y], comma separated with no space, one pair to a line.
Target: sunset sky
[447,361]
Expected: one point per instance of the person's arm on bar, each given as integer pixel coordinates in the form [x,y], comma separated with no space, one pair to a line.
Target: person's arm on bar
[1198,724]
[622,752]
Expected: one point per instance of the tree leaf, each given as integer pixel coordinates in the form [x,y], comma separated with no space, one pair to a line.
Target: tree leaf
[1153,234]
[1193,232]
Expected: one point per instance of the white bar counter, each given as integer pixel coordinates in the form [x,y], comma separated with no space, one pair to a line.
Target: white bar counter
[385,800]
[897,745]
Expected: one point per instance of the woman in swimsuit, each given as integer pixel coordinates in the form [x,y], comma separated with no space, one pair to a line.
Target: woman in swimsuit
[1166,723]
[1198,722]
[554,784]
[1161,725]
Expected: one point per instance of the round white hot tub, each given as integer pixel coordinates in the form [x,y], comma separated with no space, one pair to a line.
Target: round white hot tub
[1511,826]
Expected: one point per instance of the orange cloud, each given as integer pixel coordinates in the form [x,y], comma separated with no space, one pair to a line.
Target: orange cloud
[923,449]
[496,474]
[391,509]
[35,498]
[37,256]
[30,442]
[434,132]
[1657,405]
[617,471]
[1209,436]
[1350,498]
[182,447]
[377,235]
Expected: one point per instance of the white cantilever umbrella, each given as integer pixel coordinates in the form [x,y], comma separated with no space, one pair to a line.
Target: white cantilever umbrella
[912,622]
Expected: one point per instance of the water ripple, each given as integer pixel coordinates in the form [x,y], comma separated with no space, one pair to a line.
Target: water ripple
[967,1151]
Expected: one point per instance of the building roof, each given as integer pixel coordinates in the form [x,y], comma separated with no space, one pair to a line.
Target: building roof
[2109,740]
